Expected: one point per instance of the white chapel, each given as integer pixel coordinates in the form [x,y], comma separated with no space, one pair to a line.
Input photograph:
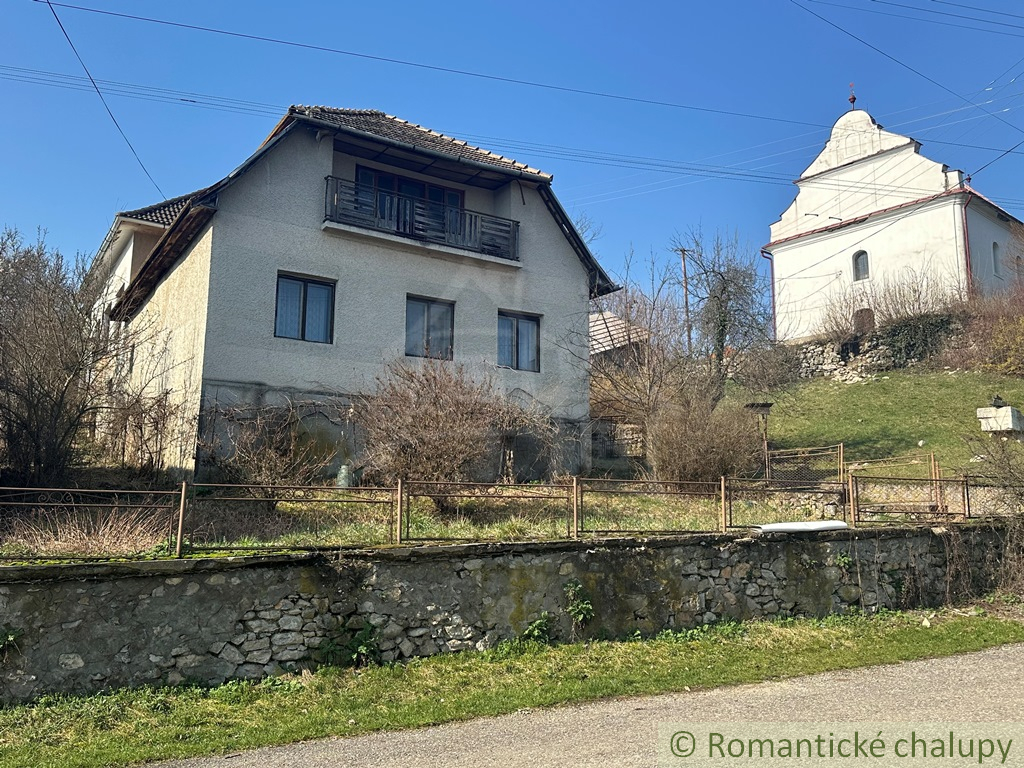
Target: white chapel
[872,211]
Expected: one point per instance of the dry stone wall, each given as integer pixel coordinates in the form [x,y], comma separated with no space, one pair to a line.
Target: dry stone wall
[84,628]
[826,359]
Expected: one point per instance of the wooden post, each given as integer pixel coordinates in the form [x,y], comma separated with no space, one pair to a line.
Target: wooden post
[181,520]
[399,510]
[574,531]
[851,501]
[967,498]
[842,461]
[725,514]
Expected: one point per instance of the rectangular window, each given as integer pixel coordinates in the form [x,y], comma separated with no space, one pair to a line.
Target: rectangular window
[429,327]
[519,341]
[305,309]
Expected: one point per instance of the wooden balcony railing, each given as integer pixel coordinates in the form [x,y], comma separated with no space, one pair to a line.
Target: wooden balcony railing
[418,219]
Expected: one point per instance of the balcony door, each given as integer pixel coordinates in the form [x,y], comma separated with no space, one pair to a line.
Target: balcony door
[412,207]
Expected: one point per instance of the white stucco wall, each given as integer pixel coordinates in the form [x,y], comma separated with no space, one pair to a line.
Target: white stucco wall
[992,273]
[270,220]
[172,324]
[815,271]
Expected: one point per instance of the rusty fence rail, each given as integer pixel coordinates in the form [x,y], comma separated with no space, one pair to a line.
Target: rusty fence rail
[83,524]
[220,516]
[880,500]
[646,506]
[817,465]
[748,503]
[448,511]
[209,517]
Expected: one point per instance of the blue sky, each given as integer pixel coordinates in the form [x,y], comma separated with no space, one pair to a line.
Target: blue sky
[630,166]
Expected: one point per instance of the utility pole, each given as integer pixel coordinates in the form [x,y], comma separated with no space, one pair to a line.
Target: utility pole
[686,303]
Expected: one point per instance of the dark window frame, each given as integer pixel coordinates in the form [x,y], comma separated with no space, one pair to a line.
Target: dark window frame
[859,274]
[430,302]
[518,317]
[305,281]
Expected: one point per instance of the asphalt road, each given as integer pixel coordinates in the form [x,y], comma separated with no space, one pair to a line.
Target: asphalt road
[977,687]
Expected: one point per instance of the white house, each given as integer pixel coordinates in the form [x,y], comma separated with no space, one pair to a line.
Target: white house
[351,238]
[871,211]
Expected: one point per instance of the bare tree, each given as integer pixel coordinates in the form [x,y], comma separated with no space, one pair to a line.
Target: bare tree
[638,360]
[588,229]
[730,312]
[432,421]
[664,347]
[65,369]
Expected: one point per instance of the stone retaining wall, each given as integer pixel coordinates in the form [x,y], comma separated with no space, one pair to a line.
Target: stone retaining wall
[825,359]
[83,628]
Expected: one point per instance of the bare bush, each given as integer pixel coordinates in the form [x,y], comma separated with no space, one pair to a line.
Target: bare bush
[266,446]
[860,308]
[697,440]
[994,333]
[433,421]
[673,346]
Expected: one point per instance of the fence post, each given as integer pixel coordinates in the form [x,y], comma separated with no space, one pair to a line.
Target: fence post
[967,498]
[399,510]
[842,461]
[725,518]
[576,494]
[181,520]
[851,500]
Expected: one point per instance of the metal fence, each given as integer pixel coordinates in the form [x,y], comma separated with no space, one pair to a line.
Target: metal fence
[646,506]
[207,517]
[440,511]
[921,465]
[83,524]
[749,503]
[219,516]
[807,465]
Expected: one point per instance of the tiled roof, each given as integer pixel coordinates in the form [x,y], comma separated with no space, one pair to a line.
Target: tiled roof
[161,213]
[389,127]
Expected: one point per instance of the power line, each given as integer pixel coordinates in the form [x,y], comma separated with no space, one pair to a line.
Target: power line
[560,152]
[915,71]
[433,67]
[977,8]
[890,14]
[903,64]
[946,13]
[105,105]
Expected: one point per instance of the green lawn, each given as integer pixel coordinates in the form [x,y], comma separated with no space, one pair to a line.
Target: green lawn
[126,727]
[888,415]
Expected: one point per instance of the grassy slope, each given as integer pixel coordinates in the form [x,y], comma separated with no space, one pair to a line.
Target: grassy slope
[888,415]
[130,726]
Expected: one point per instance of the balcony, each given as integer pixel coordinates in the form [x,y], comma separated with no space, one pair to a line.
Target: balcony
[417,219]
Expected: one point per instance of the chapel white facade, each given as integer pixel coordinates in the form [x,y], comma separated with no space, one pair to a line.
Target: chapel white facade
[872,212]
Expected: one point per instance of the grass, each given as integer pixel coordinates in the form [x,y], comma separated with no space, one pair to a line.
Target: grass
[887,415]
[126,727]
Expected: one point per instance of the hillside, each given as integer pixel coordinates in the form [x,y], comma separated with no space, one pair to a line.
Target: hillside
[890,414]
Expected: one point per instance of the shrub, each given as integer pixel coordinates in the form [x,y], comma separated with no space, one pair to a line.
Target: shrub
[265,446]
[433,421]
[698,441]
[918,337]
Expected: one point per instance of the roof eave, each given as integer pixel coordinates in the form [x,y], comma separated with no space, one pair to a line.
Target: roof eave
[171,245]
[865,217]
[515,173]
[600,283]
